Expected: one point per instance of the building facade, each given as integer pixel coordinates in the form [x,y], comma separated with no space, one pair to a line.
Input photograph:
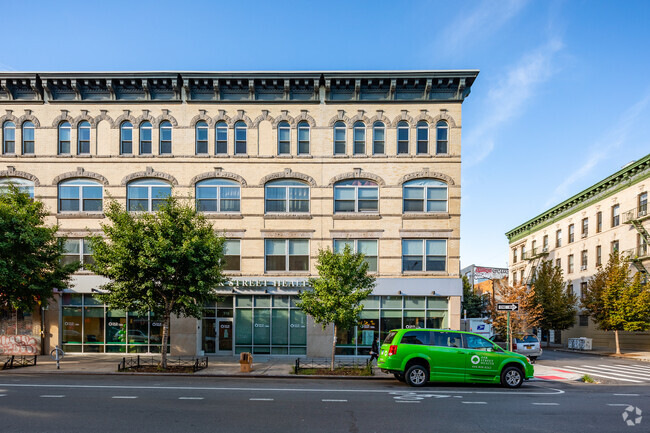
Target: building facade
[580,233]
[283,163]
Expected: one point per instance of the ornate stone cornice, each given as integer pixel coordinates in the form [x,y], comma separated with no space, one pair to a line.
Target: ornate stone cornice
[425,173]
[150,173]
[357,174]
[12,172]
[288,174]
[80,173]
[218,173]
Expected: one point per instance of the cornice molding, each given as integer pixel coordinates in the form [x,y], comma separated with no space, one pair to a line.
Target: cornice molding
[80,173]
[218,173]
[12,172]
[426,174]
[149,173]
[357,174]
[288,174]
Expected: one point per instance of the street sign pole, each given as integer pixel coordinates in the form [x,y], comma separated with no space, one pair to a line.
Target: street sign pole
[508,332]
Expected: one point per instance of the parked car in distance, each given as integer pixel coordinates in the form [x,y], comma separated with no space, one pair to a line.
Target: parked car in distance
[528,345]
[417,356]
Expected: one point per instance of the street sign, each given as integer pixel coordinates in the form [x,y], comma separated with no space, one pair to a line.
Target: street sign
[507,307]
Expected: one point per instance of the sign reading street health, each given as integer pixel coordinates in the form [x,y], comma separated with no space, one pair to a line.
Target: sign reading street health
[507,307]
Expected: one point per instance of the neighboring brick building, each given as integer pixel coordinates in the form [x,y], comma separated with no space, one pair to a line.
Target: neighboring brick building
[283,163]
[580,233]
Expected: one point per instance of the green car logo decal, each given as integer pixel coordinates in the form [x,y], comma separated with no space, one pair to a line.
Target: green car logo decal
[476,359]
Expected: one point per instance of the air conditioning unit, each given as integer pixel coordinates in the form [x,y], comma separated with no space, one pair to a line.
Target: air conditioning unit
[583,267]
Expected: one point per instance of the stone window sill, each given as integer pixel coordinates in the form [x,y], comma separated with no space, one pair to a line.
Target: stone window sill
[288,216]
[223,216]
[425,215]
[357,216]
[78,215]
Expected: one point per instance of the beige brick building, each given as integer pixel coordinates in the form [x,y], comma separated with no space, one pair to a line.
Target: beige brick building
[283,163]
[579,234]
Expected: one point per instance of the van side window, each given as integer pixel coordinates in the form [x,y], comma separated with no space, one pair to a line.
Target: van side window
[476,342]
[415,337]
[448,339]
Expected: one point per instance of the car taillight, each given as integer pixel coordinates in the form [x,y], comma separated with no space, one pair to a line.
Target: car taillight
[393,350]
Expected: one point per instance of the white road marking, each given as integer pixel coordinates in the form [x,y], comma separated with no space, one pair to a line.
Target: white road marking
[627,395]
[3,395]
[583,371]
[407,401]
[627,372]
[613,372]
[554,391]
[334,400]
[474,402]
[615,404]
[546,404]
[631,367]
[190,398]
[124,396]
[52,396]
[261,399]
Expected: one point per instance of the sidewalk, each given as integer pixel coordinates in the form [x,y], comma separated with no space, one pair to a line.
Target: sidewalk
[263,366]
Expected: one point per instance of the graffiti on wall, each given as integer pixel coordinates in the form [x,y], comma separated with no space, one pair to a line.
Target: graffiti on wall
[19,345]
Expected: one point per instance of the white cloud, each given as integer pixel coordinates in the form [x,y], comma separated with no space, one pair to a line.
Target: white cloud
[611,140]
[485,19]
[507,98]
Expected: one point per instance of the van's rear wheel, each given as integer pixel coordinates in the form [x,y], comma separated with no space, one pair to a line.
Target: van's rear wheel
[399,376]
[512,377]
[417,375]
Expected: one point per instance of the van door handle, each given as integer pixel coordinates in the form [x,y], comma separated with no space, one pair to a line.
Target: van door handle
[462,352]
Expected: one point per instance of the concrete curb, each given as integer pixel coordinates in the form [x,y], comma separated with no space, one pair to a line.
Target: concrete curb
[608,355]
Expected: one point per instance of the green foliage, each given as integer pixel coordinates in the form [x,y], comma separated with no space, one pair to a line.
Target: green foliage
[168,262]
[551,295]
[617,301]
[587,379]
[30,253]
[475,305]
[342,283]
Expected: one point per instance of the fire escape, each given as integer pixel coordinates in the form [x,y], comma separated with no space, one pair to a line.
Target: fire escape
[535,258]
[641,253]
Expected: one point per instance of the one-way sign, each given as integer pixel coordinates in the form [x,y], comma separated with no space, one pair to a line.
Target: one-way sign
[507,307]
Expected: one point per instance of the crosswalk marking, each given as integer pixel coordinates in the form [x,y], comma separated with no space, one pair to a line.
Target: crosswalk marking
[590,372]
[621,372]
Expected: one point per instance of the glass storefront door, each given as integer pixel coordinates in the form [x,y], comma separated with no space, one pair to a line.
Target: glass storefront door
[225,336]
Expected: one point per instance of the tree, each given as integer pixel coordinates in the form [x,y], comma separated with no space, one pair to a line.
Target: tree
[30,253]
[473,304]
[615,300]
[527,316]
[558,303]
[343,282]
[167,262]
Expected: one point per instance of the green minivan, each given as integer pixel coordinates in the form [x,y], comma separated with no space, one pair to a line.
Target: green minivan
[418,356]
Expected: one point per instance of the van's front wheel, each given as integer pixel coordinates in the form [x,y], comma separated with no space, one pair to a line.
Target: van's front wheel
[512,377]
[417,375]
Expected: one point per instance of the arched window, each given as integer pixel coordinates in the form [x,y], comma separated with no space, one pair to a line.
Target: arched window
[201,138]
[303,138]
[80,195]
[240,138]
[221,137]
[402,137]
[64,138]
[83,138]
[218,195]
[146,195]
[442,130]
[339,138]
[425,195]
[356,195]
[126,138]
[165,138]
[28,138]
[284,138]
[423,137]
[23,185]
[286,195]
[359,138]
[378,138]
[146,134]
[9,138]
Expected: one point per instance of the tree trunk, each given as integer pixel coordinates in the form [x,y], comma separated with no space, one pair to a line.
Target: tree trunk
[333,348]
[165,337]
[618,346]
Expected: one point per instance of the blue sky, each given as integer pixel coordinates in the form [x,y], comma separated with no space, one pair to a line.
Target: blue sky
[561,102]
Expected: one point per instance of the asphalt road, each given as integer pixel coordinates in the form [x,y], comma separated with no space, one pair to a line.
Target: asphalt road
[52,403]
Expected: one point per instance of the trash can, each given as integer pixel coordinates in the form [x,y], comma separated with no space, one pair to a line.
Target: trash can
[245,362]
